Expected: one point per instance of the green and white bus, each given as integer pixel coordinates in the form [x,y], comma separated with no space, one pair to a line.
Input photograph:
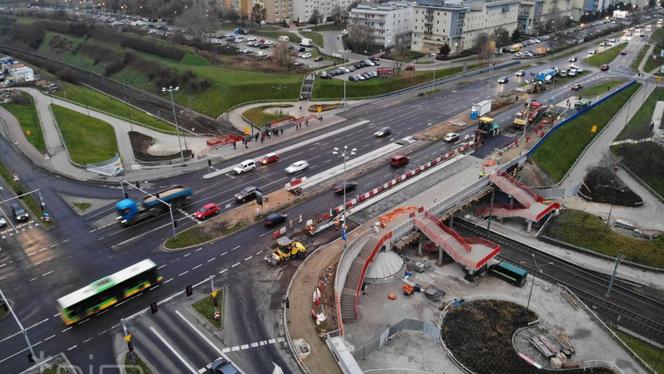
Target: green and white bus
[108,291]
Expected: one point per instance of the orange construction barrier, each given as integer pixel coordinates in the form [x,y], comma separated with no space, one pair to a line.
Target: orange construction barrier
[394,214]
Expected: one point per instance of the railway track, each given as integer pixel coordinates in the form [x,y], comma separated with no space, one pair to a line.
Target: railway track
[188,119]
[628,305]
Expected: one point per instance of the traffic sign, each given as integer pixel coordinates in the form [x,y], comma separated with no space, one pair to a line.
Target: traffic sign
[247,131]
[214,293]
[593,129]
[127,338]
[319,108]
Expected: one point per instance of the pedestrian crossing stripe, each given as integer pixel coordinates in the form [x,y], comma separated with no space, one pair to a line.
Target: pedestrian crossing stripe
[242,347]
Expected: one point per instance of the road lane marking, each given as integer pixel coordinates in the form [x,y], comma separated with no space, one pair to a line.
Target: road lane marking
[168,280]
[198,249]
[65,241]
[248,258]
[87,340]
[47,273]
[67,329]
[223,254]
[263,234]
[176,353]
[234,248]
[244,346]
[72,347]
[183,273]
[50,337]
[223,271]
[196,267]
[205,338]
[210,260]
[235,264]
[161,267]
[259,252]
[33,279]
[254,345]
[187,255]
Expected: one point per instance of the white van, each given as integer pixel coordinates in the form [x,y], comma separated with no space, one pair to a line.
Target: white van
[245,166]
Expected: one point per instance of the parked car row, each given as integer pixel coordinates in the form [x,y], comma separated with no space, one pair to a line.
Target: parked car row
[363,77]
[349,68]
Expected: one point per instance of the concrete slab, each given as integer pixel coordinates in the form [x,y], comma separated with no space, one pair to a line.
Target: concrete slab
[377,313]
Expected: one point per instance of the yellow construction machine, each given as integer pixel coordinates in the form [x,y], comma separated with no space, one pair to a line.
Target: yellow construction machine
[286,249]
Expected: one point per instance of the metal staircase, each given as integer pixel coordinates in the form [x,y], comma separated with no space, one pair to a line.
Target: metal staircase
[354,280]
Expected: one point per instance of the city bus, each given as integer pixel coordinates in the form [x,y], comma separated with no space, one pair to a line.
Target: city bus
[510,273]
[108,291]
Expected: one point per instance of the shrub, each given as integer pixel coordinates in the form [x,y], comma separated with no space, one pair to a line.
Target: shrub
[97,52]
[149,46]
[30,35]
[119,63]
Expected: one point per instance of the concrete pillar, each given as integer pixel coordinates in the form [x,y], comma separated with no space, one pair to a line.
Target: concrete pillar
[440,256]
[451,220]
[420,244]
[530,226]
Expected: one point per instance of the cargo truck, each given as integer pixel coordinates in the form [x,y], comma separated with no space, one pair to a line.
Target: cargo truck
[542,75]
[131,211]
[306,42]
[515,48]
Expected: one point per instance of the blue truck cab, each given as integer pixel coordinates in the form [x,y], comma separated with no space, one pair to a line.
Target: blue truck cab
[131,211]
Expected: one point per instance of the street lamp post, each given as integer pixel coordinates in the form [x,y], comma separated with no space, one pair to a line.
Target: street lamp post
[18,322]
[345,153]
[170,90]
[170,206]
[532,284]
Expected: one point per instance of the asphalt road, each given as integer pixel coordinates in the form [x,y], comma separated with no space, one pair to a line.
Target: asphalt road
[37,267]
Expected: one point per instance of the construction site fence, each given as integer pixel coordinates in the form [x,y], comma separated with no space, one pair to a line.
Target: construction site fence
[611,334]
[392,333]
[577,114]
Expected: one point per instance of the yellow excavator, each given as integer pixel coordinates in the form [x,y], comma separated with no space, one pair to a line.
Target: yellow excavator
[287,249]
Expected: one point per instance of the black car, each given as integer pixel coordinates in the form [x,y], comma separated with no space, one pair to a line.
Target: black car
[20,215]
[352,78]
[339,187]
[222,366]
[246,194]
[383,131]
[275,219]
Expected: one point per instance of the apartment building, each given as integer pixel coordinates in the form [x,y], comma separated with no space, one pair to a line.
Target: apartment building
[485,16]
[390,23]
[303,9]
[277,10]
[435,23]
[533,12]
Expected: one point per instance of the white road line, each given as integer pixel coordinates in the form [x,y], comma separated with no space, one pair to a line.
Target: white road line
[280,340]
[187,255]
[47,273]
[233,349]
[259,252]
[87,340]
[205,338]
[244,346]
[168,280]
[53,245]
[210,260]
[42,250]
[33,279]
[65,241]
[174,351]
[235,264]
[72,347]
[198,249]
[223,271]
[50,337]
[262,342]
[223,254]
[196,267]
[248,258]
[183,273]
[226,350]
[234,248]
[67,329]
[161,267]
[272,341]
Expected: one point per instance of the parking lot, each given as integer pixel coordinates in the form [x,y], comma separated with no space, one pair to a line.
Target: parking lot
[358,71]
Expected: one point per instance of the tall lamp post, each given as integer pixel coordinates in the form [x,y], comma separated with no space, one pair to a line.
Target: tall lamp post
[345,153]
[170,90]
[532,284]
[32,357]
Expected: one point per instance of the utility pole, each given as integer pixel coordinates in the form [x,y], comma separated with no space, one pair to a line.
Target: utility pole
[345,154]
[18,322]
[613,275]
[170,90]
[493,196]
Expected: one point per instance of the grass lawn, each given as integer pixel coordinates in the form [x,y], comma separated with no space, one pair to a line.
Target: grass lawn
[191,236]
[205,307]
[30,201]
[605,57]
[639,57]
[646,160]
[137,366]
[600,88]
[559,151]
[316,37]
[589,231]
[639,126]
[26,114]
[333,88]
[648,353]
[259,116]
[653,63]
[95,99]
[88,139]
[82,206]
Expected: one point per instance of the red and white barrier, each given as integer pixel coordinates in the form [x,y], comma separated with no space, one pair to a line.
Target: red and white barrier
[279,233]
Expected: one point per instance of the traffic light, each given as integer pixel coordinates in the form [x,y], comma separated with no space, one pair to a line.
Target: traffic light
[138,184]
[154,308]
[130,346]
[175,223]
[42,206]
[209,163]
[189,290]
[31,358]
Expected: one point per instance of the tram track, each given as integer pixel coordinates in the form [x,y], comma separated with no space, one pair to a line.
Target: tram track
[627,306]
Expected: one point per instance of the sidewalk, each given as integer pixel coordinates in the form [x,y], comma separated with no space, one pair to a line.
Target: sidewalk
[645,58]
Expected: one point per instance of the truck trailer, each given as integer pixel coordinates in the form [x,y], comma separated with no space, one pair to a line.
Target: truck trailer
[542,75]
[131,211]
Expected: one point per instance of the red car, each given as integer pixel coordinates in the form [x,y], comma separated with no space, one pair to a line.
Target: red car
[270,158]
[208,210]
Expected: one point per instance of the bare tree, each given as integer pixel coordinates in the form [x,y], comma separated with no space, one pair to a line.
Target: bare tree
[445,50]
[501,36]
[484,47]
[400,54]
[281,55]
[197,19]
[258,14]
[338,15]
[360,37]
